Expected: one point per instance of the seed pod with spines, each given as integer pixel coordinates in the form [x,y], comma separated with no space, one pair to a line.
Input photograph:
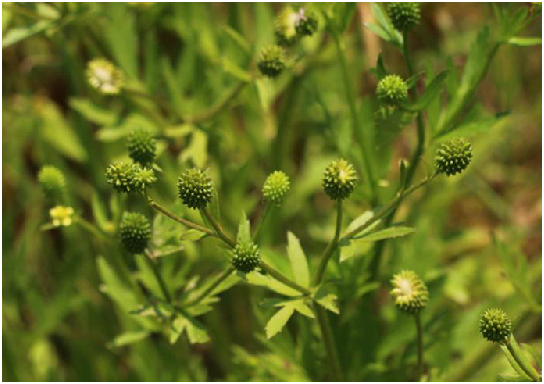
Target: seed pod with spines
[195,188]
[276,187]
[409,291]
[339,180]
[392,90]
[245,256]
[306,22]
[143,179]
[271,61]
[285,28]
[142,146]
[52,182]
[404,16]
[135,232]
[121,176]
[495,326]
[453,157]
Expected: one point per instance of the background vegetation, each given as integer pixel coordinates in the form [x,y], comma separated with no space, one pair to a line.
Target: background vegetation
[209,108]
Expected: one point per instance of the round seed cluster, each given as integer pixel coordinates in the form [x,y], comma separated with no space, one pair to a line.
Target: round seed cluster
[128,177]
[453,157]
[52,181]
[245,257]
[495,326]
[195,188]
[340,178]
[285,28]
[306,22]
[276,187]
[134,232]
[142,146]
[271,61]
[404,16]
[104,76]
[409,291]
[392,90]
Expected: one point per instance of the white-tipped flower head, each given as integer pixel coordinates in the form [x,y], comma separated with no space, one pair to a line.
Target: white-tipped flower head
[453,157]
[271,61]
[61,215]
[306,22]
[104,76]
[339,180]
[285,27]
[392,90]
[276,187]
[495,326]
[245,257]
[409,291]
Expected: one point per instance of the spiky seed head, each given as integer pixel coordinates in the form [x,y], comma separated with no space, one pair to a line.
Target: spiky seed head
[142,146]
[453,157]
[143,179]
[52,181]
[495,326]
[392,90]
[285,28]
[61,215]
[134,232]
[195,188]
[339,180]
[409,291]
[104,76]
[245,256]
[306,22]
[276,187]
[128,177]
[404,16]
[271,61]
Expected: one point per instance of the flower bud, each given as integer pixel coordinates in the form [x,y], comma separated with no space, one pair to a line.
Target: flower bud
[453,157]
[339,180]
[285,28]
[306,22]
[404,16]
[52,182]
[409,291]
[392,90]
[495,326]
[142,146]
[245,257]
[134,232]
[271,61]
[104,76]
[195,188]
[276,187]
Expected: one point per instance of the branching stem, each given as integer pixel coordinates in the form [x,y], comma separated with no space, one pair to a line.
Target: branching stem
[158,277]
[332,245]
[217,227]
[226,273]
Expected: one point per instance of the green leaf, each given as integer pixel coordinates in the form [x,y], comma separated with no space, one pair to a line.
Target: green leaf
[475,127]
[299,264]
[429,94]
[327,300]
[99,211]
[537,357]
[524,41]
[127,338]
[196,333]
[361,220]
[93,112]
[237,38]
[256,278]
[278,321]
[15,35]
[350,248]
[387,233]
[514,364]
[512,378]
[121,35]
[244,231]
[121,292]
[303,308]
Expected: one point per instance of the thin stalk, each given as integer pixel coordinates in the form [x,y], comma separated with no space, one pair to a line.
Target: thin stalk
[356,124]
[158,277]
[417,318]
[92,229]
[146,95]
[328,341]
[520,358]
[226,273]
[180,220]
[217,227]
[282,279]
[332,245]
[266,211]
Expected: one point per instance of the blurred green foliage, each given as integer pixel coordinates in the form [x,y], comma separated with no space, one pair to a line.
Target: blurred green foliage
[71,313]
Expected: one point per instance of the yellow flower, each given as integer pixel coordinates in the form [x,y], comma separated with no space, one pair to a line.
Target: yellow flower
[61,215]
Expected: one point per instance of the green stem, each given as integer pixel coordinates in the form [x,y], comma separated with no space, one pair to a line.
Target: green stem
[328,341]
[226,273]
[91,228]
[180,220]
[158,277]
[332,245]
[217,107]
[217,227]
[282,279]
[27,12]
[417,318]
[521,359]
[267,208]
[356,125]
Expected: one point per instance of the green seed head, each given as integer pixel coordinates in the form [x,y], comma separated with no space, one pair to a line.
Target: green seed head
[134,232]
[128,177]
[404,16]
[453,157]
[409,291]
[276,187]
[495,326]
[271,61]
[104,76]
[142,146]
[195,188]
[392,90]
[143,179]
[306,22]
[285,28]
[52,181]
[340,178]
[245,257]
